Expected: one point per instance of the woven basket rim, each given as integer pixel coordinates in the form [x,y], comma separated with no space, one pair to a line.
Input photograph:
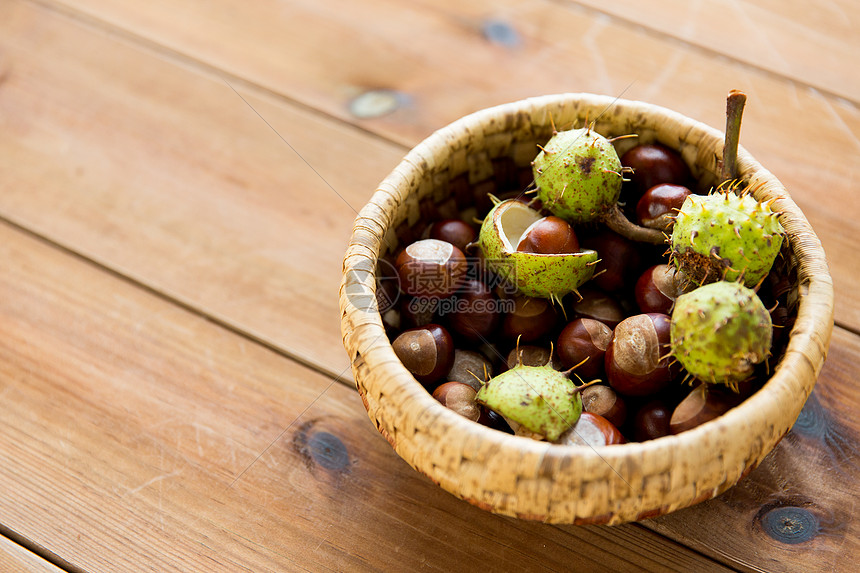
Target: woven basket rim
[796,373]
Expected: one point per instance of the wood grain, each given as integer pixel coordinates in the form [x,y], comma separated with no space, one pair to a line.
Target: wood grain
[131,408]
[443,64]
[809,42]
[169,177]
[135,435]
[13,557]
[797,510]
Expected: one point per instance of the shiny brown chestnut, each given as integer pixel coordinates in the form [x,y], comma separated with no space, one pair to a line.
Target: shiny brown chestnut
[427,352]
[592,430]
[657,289]
[657,208]
[653,164]
[620,261]
[529,355]
[473,312]
[495,421]
[531,319]
[598,305]
[431,268]
[458,233]
[548,236]
[417,311]
[460,398]
[584,342]
[702,404]
[638,357]
[604,401]
[651,421]
[470,367]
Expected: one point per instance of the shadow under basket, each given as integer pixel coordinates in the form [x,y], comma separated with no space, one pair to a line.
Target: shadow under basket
[490,151]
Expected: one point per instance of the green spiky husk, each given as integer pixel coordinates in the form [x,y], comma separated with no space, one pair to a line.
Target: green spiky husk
[720,331]
[536,275]
[578,174]
[723,236]
[538,398]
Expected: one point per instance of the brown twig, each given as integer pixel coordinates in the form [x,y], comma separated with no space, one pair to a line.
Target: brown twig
[734,111]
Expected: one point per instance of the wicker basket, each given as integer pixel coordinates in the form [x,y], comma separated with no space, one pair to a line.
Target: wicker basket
[530,479]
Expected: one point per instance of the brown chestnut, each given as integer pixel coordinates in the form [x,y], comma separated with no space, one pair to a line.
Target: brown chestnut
[592,430]
[550,235]
[417,311]
[494,420]
[470,367]
[472,312]
[431,268]
[654,163]
[584,339]
[529,355]
[657,208]
[598,305]
[604,401]
[460,398]
[620,261]
[638,357]
[458,233]
[427,352]
[651,421]
[702,404]
[531,319]
[657,289]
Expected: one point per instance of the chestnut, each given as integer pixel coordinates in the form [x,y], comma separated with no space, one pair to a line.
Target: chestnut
[431,268]
[470,368]
[600,306]
[584,339]
[458,233]
[654,163]
[592,430]
[657,289]
[474,312]
[638,357]
[531,319]
[417,311]
[656,209]
[604,401]
[460,398]
[427,352]
[620,260]
[702,404]
[651,421]
[550,235]
[529,355]
[494,420]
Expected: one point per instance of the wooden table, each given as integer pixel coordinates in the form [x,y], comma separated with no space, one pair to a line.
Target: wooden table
[178,182]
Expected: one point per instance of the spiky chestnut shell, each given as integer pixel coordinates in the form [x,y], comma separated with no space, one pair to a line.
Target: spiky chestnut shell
[540,399]
[549,276]
[723,236]
[720,331]
[578,174]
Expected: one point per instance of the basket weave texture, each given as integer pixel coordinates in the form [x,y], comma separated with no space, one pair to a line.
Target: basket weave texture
[530,479]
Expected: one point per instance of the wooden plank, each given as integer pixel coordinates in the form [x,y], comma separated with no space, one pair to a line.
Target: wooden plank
[797,510]
[13,557]
[442,64]
[169,177]
[809,42]
[135,435]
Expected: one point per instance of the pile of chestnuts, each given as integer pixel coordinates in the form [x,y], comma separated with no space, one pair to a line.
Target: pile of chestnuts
[462,309]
